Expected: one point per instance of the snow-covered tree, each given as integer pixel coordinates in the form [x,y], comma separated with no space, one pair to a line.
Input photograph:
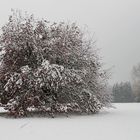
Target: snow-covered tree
[49,67]
[136,82]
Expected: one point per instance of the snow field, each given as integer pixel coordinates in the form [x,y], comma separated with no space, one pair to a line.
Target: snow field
[122,123]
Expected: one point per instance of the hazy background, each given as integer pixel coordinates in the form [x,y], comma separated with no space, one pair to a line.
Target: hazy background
[116,24]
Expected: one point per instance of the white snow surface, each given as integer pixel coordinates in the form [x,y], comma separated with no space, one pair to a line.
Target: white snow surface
[122,123]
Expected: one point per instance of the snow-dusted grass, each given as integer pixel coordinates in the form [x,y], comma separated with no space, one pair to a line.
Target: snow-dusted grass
[122,123]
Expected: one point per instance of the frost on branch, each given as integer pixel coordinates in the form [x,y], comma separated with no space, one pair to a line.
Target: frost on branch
[51,68]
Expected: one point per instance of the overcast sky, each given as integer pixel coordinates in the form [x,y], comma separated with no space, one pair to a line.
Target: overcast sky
[116,24]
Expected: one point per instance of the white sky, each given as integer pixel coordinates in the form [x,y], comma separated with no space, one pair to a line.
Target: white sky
[116,24]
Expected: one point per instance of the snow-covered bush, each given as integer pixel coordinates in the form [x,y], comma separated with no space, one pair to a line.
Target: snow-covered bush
[49,67]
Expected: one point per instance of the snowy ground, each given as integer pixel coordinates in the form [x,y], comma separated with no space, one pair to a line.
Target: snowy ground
[122,123]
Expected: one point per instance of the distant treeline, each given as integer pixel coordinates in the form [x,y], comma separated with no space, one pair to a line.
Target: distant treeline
[122,92]
[126,91]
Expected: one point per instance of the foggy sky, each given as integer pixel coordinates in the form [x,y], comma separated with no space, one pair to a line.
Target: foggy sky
[116,24]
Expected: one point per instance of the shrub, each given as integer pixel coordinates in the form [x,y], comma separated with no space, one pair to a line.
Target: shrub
[49,67]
